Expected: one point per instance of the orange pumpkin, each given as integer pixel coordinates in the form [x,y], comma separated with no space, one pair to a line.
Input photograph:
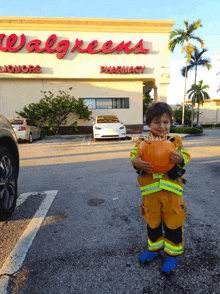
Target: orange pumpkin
[158,154]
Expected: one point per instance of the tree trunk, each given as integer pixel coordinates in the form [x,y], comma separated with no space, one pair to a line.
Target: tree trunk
[198,110]
[184,95]
[192,99]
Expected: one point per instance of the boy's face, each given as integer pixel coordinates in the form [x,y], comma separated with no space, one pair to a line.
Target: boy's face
[160,126]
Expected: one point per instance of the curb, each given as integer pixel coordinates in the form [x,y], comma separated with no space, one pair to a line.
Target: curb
[134,137]
[130,137]
[66,137]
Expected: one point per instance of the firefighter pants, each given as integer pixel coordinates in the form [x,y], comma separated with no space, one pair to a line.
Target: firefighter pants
[165,209]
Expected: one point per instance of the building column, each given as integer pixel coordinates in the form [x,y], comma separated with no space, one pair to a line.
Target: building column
[155,94]
[161,92]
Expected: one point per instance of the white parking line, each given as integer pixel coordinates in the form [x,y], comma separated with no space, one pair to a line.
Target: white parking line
[83,140]
[24,196]
[18,254]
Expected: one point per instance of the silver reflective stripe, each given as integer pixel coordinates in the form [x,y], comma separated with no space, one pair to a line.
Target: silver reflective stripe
[172,187]
[171,249]
[156,246]
[150,189]
[157,176]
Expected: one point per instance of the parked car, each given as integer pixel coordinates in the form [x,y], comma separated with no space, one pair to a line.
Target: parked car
[176,125]
[146,128]
[9,169]
[108,126]
[26,130]
[186,125]
[198,126]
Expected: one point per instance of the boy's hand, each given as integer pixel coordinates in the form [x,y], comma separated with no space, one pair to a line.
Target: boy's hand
[141,164]
[176,156]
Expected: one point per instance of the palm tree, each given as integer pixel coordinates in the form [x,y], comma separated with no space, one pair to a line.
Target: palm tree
[196,61]
[181,37]
[197,92]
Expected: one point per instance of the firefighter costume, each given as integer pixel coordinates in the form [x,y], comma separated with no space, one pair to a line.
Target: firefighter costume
[162,203]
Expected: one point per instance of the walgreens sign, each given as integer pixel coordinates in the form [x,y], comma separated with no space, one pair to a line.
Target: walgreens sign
[62,46]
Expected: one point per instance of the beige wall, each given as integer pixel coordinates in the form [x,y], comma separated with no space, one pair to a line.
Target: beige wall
[15,94]
[82,70]
[210,114]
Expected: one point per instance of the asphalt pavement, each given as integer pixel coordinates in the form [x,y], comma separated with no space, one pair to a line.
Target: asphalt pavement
[94,233]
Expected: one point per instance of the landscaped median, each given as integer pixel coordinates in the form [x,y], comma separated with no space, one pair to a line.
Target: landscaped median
[186,130]
[182,132]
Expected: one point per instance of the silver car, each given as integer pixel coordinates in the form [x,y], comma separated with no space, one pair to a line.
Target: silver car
[26,130]
[9,168]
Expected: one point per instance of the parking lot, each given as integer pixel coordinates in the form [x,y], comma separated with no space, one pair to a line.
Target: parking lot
[92,233]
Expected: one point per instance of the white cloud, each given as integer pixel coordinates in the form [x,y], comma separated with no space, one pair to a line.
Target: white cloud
[176,88]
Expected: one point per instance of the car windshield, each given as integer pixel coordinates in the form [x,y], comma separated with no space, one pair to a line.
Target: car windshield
[107,119]
[17,122]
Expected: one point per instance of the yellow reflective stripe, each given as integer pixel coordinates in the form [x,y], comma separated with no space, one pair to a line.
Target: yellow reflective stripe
[135,151]
[177,189]
[157,176]
[150,188]
[185,162]
[133,156]
[156,245]
[173,249]
[176,186]
[183,150]
[185,159]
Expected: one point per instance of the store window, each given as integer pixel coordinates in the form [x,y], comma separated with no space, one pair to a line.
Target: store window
[105,103]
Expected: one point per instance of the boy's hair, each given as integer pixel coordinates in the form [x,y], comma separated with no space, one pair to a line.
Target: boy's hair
[157,109]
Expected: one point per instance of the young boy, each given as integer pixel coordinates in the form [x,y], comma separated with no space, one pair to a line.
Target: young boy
[162,202]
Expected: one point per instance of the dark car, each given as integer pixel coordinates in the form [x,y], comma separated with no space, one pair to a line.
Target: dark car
[198,126]
[176,125]
[9,169]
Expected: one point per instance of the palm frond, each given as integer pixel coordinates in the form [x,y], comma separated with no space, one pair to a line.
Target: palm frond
[199,40]
[186,24]
[177,32]
[174,42]
[189,68]
[195,25]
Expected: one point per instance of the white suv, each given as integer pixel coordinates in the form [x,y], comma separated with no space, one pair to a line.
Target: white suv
[107,127]
[9,169]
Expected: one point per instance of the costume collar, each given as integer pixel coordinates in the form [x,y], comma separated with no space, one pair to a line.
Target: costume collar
[155,136]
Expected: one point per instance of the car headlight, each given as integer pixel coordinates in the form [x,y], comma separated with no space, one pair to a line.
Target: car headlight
[97,128]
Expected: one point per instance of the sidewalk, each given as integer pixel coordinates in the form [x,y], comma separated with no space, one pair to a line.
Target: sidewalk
[134,137]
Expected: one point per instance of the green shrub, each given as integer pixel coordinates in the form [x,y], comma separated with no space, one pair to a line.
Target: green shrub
[186,130]
[210,126]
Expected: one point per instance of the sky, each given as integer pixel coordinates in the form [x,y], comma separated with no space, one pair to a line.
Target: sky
[191,10]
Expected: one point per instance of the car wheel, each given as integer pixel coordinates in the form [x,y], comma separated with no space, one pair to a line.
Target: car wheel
[30,138]
[41,136]
[8,184]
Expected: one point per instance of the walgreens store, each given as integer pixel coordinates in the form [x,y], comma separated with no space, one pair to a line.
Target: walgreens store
[109,64]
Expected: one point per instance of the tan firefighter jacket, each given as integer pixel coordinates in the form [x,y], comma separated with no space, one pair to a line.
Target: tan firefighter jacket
[151,183]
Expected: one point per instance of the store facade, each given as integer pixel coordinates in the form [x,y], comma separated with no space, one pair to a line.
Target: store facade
[108,63]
